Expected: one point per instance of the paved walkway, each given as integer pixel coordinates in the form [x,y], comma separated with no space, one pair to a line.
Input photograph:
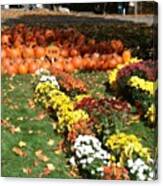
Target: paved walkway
[44,15]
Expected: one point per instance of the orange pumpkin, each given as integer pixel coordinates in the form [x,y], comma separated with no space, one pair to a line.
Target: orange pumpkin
[23,68]
[57,67]
[12,69]
[118,58]
[3,54]
[6,39]
[126,55]
[28,52]
[73,52]
[112,63]
[14,53]
[69,67]
[39,52]
[76,61]
[45,65]
[64,53]
[32,67]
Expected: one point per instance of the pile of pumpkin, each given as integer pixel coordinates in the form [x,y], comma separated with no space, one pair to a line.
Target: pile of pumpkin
[26,49]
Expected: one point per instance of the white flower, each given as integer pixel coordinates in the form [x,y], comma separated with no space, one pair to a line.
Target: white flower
[132,171]
[130,163]
[151,174]
[84,166]
[92,172]
[78,154]
[83,161]
[141,176]
[72,161]
[141,170]
[89,160]
[139,162]
[52,79]
[42,71]
[102,174]
[100,169]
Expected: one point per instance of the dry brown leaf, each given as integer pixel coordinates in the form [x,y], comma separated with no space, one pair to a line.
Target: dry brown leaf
[14,129]
[10,127]
[48,169]
[46,172]
[39,154]
[40,116]
[74,172]
[31,104]
[27,170]
[19,152]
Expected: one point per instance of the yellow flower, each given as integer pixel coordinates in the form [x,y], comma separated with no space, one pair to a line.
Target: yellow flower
[112,74]
[139,83]
[51,97]
[80,97]
[127,145]
[151,113]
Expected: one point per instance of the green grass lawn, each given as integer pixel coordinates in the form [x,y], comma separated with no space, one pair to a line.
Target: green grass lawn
[29,123]
[36,130]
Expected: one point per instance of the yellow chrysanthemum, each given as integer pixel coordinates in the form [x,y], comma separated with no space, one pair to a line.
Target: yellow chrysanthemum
[139,83]
[127,145]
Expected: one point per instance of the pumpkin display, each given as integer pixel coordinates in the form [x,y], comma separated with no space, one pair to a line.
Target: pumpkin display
[31,48]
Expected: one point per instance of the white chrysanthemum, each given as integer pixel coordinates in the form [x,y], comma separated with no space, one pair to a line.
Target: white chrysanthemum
[72,161]
[130,163]
[151,174]
[89,160]
[52,79]
[141,176]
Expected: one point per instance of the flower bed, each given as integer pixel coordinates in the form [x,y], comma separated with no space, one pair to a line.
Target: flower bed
[92,127]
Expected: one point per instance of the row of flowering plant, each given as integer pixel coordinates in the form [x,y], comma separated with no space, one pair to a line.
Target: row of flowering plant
[137,82]
[92,129]
[48,94]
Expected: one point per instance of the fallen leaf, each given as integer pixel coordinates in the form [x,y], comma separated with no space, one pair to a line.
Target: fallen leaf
[40,116]
[30,131]
[54,125]
[19,152]
[31,104]
[10,127]
[22,144]
[50,142]
[46,172]
[48,169]
[60,148]
[14,129]
[11,87]
[27,170]
[74,172]
[58,151]
[20,118]
[39,154]
[36,163]
[50,166]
